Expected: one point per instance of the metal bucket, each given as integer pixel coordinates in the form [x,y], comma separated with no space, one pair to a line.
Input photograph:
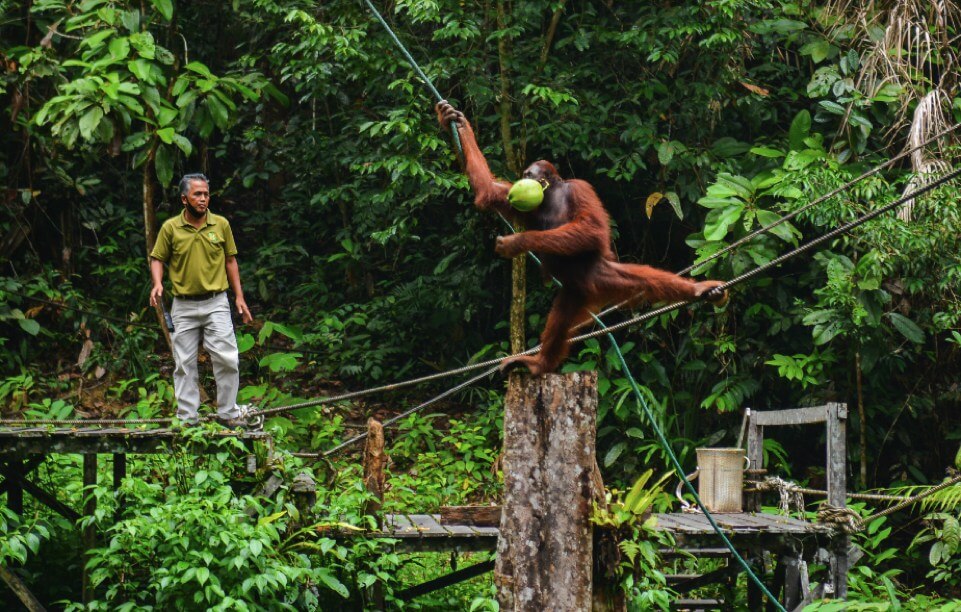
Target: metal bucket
[721,478]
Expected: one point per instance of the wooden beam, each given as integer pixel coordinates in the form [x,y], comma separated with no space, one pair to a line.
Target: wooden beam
[545,548]
[792,416]
[89,537]
[479,516]
[17,585]
[445,581]
[138,441]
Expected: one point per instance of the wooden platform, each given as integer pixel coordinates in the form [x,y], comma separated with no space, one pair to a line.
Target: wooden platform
[93,440]
[424,532]
[738,524]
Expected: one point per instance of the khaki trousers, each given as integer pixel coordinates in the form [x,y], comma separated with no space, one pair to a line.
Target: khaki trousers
[211,319]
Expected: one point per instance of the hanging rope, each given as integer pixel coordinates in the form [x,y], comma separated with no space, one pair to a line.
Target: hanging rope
[413,64]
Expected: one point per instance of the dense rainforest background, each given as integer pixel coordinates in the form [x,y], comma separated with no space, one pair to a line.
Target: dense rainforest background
[365,263]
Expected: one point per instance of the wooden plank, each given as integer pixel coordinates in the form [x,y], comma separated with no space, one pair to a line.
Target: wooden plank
[791,416]
[141,441]
[483,516]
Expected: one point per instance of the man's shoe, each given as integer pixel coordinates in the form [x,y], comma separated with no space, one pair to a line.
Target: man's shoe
[234,423]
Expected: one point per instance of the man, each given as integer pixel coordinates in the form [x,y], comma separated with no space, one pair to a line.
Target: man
[198,248]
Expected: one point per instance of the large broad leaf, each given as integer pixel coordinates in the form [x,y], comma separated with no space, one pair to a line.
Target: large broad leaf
[30,326]
[907,327]
[165,7]
[782,230]
[800,128]
[164,166]
[614,453]
[90,121]
[719,220]
[332,583]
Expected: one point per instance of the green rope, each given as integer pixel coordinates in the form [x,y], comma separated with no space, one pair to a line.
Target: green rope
[413,64]
[675,463]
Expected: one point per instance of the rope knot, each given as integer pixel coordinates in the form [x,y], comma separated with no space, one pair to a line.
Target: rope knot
[846,519]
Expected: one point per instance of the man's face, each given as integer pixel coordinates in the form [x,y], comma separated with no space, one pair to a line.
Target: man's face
[196,199]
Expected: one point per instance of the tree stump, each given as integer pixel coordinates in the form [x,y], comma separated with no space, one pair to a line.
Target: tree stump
[545,546]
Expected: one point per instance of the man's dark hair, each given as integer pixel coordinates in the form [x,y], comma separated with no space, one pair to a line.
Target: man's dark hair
[185,181]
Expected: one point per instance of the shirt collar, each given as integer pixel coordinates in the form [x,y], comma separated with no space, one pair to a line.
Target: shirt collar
[211,219]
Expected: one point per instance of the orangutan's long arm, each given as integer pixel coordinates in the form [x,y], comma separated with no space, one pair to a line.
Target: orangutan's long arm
[489,193]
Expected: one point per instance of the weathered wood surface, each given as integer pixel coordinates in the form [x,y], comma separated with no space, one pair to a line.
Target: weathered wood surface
[742,523]
[375,462]
[26,441]
[480,516]
[544,553]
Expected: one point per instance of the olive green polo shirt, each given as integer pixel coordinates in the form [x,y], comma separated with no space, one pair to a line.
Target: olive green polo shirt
[196,258]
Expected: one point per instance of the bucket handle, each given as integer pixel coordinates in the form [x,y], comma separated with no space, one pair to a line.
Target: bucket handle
[685,506]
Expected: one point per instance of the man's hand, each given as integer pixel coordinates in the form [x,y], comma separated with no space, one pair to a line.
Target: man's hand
[447,114]
[243,311]
[156,294]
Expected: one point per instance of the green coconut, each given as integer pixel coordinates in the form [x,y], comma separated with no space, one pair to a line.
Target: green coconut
[526,195]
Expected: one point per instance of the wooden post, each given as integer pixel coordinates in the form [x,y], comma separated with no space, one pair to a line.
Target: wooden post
[545,547]
[375,460]
[89,536]
[304,492]
[15,487]
[837,415]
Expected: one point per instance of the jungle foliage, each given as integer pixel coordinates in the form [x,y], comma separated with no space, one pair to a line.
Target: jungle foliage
[365,263]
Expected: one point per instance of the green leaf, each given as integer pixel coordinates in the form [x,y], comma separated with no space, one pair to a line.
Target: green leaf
[907,327]
[614,453]
[719,220]
[140,68]
[202,575]
[800,128]
[245,342]
[200,69]
[90,121]
[766,152]
[332,583]
[832,107]
[183,143]
[165,7]
[675,203]
[166,135]
[164,166]
[119,48]
[30,326]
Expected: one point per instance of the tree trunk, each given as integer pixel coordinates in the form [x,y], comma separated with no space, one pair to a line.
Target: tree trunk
[545,546]
[515,166]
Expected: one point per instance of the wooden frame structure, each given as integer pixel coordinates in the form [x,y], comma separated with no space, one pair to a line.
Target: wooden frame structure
[24,449]
[794,574]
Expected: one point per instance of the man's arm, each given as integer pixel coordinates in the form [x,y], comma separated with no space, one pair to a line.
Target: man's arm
[157,274]
[233,277]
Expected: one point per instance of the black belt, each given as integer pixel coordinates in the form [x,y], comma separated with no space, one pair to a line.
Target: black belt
[200,296]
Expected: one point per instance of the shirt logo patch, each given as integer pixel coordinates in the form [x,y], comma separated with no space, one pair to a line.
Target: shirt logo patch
[212,237]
